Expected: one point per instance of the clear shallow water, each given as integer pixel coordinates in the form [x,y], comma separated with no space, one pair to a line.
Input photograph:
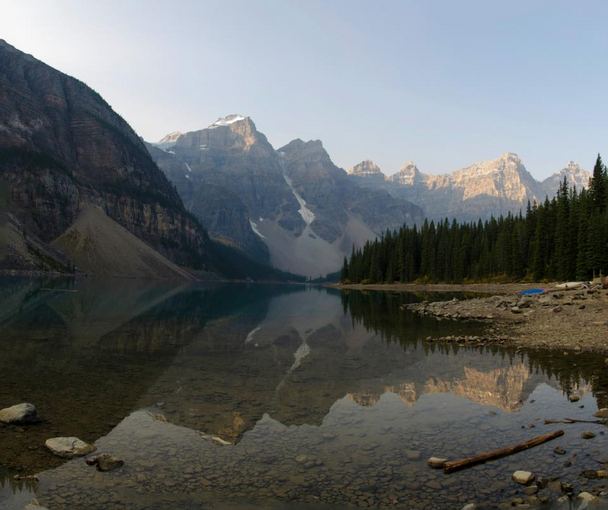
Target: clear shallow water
[261,396]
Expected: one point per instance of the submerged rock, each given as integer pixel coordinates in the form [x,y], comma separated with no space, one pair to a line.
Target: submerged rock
[69,447]
[601,413]
[588,434]
[34,505]
[436,462]
[19,414]
[105,462]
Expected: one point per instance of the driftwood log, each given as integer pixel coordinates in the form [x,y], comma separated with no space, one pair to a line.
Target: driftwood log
[457,465]
[569,421]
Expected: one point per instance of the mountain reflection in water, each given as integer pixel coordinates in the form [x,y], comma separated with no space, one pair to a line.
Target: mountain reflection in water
[260,394]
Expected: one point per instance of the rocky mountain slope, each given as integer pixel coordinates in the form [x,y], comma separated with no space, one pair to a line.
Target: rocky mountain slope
[481,190]
[99,245]
[292,207]
[62,148]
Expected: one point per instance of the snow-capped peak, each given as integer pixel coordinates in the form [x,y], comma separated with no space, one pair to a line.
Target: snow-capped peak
[227,120]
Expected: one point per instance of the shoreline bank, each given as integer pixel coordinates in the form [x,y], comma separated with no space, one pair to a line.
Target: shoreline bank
[561,319]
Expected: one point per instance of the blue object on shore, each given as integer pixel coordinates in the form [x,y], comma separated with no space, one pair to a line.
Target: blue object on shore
[531,292]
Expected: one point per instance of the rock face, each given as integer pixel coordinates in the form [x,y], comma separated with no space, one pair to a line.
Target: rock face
[481,190]
[62,147]
[292,207]
[69,447]
[368,170]
[19,414]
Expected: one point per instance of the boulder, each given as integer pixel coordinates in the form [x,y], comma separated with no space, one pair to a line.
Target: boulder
[69,447]
[522,477]
[19,414]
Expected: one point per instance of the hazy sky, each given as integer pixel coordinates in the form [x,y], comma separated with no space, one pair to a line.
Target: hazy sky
[443,83]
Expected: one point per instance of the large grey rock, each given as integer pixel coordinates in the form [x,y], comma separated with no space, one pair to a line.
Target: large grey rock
[69,447]
[19,414]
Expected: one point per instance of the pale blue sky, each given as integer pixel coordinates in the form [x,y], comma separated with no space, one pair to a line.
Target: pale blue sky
[444,83]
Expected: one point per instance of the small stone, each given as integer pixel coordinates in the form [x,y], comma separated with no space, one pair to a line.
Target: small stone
[588,435]
[412,455]
[559,450]
[69,447]
[19,414]
[470,506]
[436,462]
[531,490]
[105,462]
[516,309]
[522,477]
[557,309]
[601,413]
[574,398]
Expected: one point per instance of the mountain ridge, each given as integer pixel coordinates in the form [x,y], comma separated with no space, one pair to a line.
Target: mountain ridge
[288,206]
[483,189]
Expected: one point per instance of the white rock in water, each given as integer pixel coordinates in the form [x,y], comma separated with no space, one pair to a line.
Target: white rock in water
[19,414]
[470,506]
[69,447]
[522,477]
[436,462]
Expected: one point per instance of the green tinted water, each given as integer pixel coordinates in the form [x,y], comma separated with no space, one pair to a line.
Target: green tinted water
[235,396]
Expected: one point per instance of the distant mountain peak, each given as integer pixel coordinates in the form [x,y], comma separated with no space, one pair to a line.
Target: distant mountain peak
[171,137]
[510,156]
[365,168]
[407,174]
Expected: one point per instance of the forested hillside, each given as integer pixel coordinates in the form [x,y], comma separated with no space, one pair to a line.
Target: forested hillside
[559,239]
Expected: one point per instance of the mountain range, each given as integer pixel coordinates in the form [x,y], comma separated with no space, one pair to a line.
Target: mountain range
[80,191]
[484,189]
[290,207]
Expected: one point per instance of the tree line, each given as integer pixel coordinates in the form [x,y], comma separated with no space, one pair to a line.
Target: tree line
[565,238]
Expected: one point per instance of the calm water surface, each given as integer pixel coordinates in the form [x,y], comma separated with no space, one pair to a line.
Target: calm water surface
[235,396]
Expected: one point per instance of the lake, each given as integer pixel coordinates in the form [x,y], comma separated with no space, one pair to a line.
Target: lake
[274,396]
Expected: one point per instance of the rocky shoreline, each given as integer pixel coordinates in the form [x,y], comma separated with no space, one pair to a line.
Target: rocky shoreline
[558,319]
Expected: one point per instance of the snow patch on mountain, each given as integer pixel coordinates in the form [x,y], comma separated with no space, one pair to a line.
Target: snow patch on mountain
[254,227]
[227,120]
[307,215]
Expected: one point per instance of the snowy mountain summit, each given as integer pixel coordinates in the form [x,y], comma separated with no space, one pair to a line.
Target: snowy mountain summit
[227,120]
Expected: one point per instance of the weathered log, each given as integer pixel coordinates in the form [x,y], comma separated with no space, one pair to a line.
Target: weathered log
[569,421]
[457,465]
